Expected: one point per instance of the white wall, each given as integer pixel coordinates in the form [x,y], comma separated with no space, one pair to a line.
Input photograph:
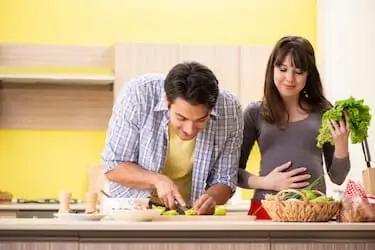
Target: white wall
[346,52]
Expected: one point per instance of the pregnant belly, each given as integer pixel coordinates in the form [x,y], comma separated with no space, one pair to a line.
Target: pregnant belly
[314,168]
[312,163]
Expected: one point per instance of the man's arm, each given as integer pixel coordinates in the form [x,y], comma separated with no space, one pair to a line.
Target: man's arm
[120,154]
[133,176]
[222,181]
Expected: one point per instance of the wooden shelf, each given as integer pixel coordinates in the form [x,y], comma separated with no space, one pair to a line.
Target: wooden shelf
[34,79]
[55,97]
[56,75]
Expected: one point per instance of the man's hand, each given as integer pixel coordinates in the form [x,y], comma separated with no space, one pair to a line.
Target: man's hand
[167,191]
[279,180]
[205,204]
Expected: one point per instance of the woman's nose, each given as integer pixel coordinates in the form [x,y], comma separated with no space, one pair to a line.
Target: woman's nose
[290,76]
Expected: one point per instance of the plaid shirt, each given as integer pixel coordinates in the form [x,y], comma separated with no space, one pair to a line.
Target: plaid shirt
[138,133]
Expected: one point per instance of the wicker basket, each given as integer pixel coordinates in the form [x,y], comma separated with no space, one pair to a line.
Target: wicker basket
[5,197]
[356,212]
[294,210]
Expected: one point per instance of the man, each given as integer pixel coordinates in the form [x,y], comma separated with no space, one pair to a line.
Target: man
[175,138]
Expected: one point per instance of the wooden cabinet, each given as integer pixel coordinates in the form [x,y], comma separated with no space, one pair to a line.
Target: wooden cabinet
[133,59]
[79,90]
[55,86]
[8,214]
[239,69]
[38,245]
[27,214]
[322,246]
[174,246]
[75,245]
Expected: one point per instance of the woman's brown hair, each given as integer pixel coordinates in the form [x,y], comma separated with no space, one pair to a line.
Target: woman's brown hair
[273,109]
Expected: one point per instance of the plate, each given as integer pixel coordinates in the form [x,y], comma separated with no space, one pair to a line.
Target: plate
[79,216]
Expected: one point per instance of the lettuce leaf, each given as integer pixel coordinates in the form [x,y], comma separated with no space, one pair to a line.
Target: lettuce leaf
[359,120]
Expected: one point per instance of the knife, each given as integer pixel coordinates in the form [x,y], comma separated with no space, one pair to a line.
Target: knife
[366,152]
[180,209]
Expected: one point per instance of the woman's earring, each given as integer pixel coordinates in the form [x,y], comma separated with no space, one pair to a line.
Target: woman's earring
[305,94]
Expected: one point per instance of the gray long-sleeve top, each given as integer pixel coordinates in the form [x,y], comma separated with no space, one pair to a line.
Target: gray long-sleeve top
[296,143]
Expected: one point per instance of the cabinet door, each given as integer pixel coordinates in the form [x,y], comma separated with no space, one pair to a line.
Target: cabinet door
[323,246]
[253,64]
[40,245]
[223,60]
[133,59]
[36,214]
[174,246]
[239,69]
[8,214]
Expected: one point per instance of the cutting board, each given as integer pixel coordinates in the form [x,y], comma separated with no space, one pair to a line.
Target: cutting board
[205,218]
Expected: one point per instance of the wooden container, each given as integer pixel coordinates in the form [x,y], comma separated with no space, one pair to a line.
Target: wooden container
[65,199]
[368,178]
[5,197]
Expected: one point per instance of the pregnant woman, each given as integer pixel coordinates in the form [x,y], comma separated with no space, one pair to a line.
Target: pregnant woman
[285,124]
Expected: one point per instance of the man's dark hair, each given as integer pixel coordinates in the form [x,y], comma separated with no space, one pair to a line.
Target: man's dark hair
[192,82]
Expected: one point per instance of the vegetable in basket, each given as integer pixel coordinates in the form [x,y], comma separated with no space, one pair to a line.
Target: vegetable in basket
[314,195]
[310,193]
[359,120]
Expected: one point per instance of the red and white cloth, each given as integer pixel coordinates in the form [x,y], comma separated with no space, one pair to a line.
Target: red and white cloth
[357,194]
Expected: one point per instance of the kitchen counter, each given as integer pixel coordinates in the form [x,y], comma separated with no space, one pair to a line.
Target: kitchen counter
[81,206]
[36,206]
[33,210]
[48,234]
[197,225]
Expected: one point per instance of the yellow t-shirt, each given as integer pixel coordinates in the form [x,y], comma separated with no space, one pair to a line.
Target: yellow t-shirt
[179,164]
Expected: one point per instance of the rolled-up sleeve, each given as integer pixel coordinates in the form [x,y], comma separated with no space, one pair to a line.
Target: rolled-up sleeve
[122,141]
[226,168]
[337,168]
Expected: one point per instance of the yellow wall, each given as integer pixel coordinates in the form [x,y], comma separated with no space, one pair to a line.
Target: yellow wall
[37,164]
[40,163]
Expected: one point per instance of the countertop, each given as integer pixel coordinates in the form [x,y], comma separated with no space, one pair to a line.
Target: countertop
[106,225]
[175,232]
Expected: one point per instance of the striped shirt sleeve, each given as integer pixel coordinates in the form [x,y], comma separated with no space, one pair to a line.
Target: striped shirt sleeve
[122,141]
[225,171]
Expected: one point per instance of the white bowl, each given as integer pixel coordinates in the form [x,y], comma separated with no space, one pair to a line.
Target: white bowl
[110,204]
[134,215]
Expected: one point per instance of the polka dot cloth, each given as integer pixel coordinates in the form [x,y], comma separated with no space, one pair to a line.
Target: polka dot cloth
[355,192]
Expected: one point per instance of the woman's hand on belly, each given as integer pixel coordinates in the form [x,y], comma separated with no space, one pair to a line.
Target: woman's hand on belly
[280,179]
